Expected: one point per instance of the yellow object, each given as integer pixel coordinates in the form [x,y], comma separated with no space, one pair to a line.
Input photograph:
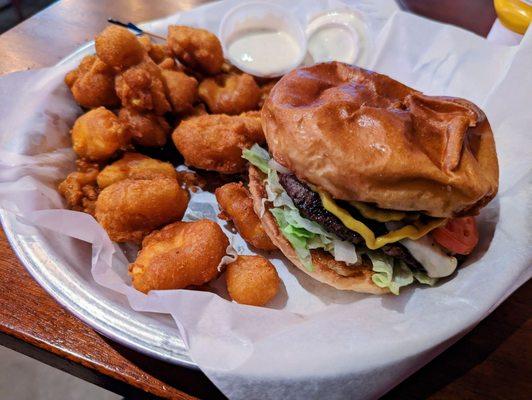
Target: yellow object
[376,214]
[373,243]
[514,14]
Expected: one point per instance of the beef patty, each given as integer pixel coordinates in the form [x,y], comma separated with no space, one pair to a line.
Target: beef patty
[309,205]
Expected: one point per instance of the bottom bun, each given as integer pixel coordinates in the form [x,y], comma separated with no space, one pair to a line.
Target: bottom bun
[325,266]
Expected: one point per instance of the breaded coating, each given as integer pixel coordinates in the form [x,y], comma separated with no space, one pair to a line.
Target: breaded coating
[157,52]
[86,166]
[146,129]
[196,48]
[170,63]
[141,88]
[179,255]
[237,206]
[181,90]
[255,115]
[230,93]
[71,77]
[83,67]
[80,191]
[252,280]
[135,166]
[146,42]
[130,209]
[252,121]
[98,134]
[118,47]
[215,142]
[92,83]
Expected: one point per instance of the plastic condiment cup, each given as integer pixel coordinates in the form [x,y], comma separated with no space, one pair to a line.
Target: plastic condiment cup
[347,41]
[256,17]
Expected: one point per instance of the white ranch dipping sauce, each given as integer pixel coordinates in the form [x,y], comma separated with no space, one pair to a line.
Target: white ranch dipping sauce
[265,52]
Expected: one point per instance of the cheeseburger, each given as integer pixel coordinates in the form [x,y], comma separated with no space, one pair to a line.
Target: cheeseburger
[367,184]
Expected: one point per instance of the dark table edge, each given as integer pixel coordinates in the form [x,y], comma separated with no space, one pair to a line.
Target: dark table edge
[73,368]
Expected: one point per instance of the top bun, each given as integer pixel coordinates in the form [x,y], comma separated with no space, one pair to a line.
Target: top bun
[363,136]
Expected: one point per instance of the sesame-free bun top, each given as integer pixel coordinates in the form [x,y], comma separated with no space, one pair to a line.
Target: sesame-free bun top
[363,136]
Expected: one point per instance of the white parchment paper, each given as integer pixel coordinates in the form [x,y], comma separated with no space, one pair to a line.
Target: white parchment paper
[314,341]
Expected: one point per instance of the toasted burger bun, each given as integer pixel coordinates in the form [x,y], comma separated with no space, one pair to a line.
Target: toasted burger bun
[325,266]
[363,136]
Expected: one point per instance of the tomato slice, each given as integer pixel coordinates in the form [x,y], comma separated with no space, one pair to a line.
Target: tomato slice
[459,235]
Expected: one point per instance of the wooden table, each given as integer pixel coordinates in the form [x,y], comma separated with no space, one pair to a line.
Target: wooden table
[492,362]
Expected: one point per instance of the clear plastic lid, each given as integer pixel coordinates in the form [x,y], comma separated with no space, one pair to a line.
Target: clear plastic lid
[337,35]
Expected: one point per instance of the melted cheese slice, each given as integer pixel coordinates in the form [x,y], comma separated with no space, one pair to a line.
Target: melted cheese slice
[406,232]
[376,214]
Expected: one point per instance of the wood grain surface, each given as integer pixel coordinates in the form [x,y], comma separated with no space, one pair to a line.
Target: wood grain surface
[494,361]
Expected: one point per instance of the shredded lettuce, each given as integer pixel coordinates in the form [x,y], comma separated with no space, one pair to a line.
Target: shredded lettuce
[278,167]
[344,251]
[423,278]
[302,233]
[298,237]
[305,235]
[257,156]
[293,217]
[394,274]
[389,273]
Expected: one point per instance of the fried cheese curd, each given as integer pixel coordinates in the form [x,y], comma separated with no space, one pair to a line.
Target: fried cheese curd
[141,88]
[146,129]
[252,280]
[230,93]
[92,83]
[237,206]
[157,52]
[196,48]
[118,47]
[98,134]
[135,166]
[215,142]
[170,64]
[79,188]
[181,254]
[252,121]
[83,67]
[181,90]
[132,208]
